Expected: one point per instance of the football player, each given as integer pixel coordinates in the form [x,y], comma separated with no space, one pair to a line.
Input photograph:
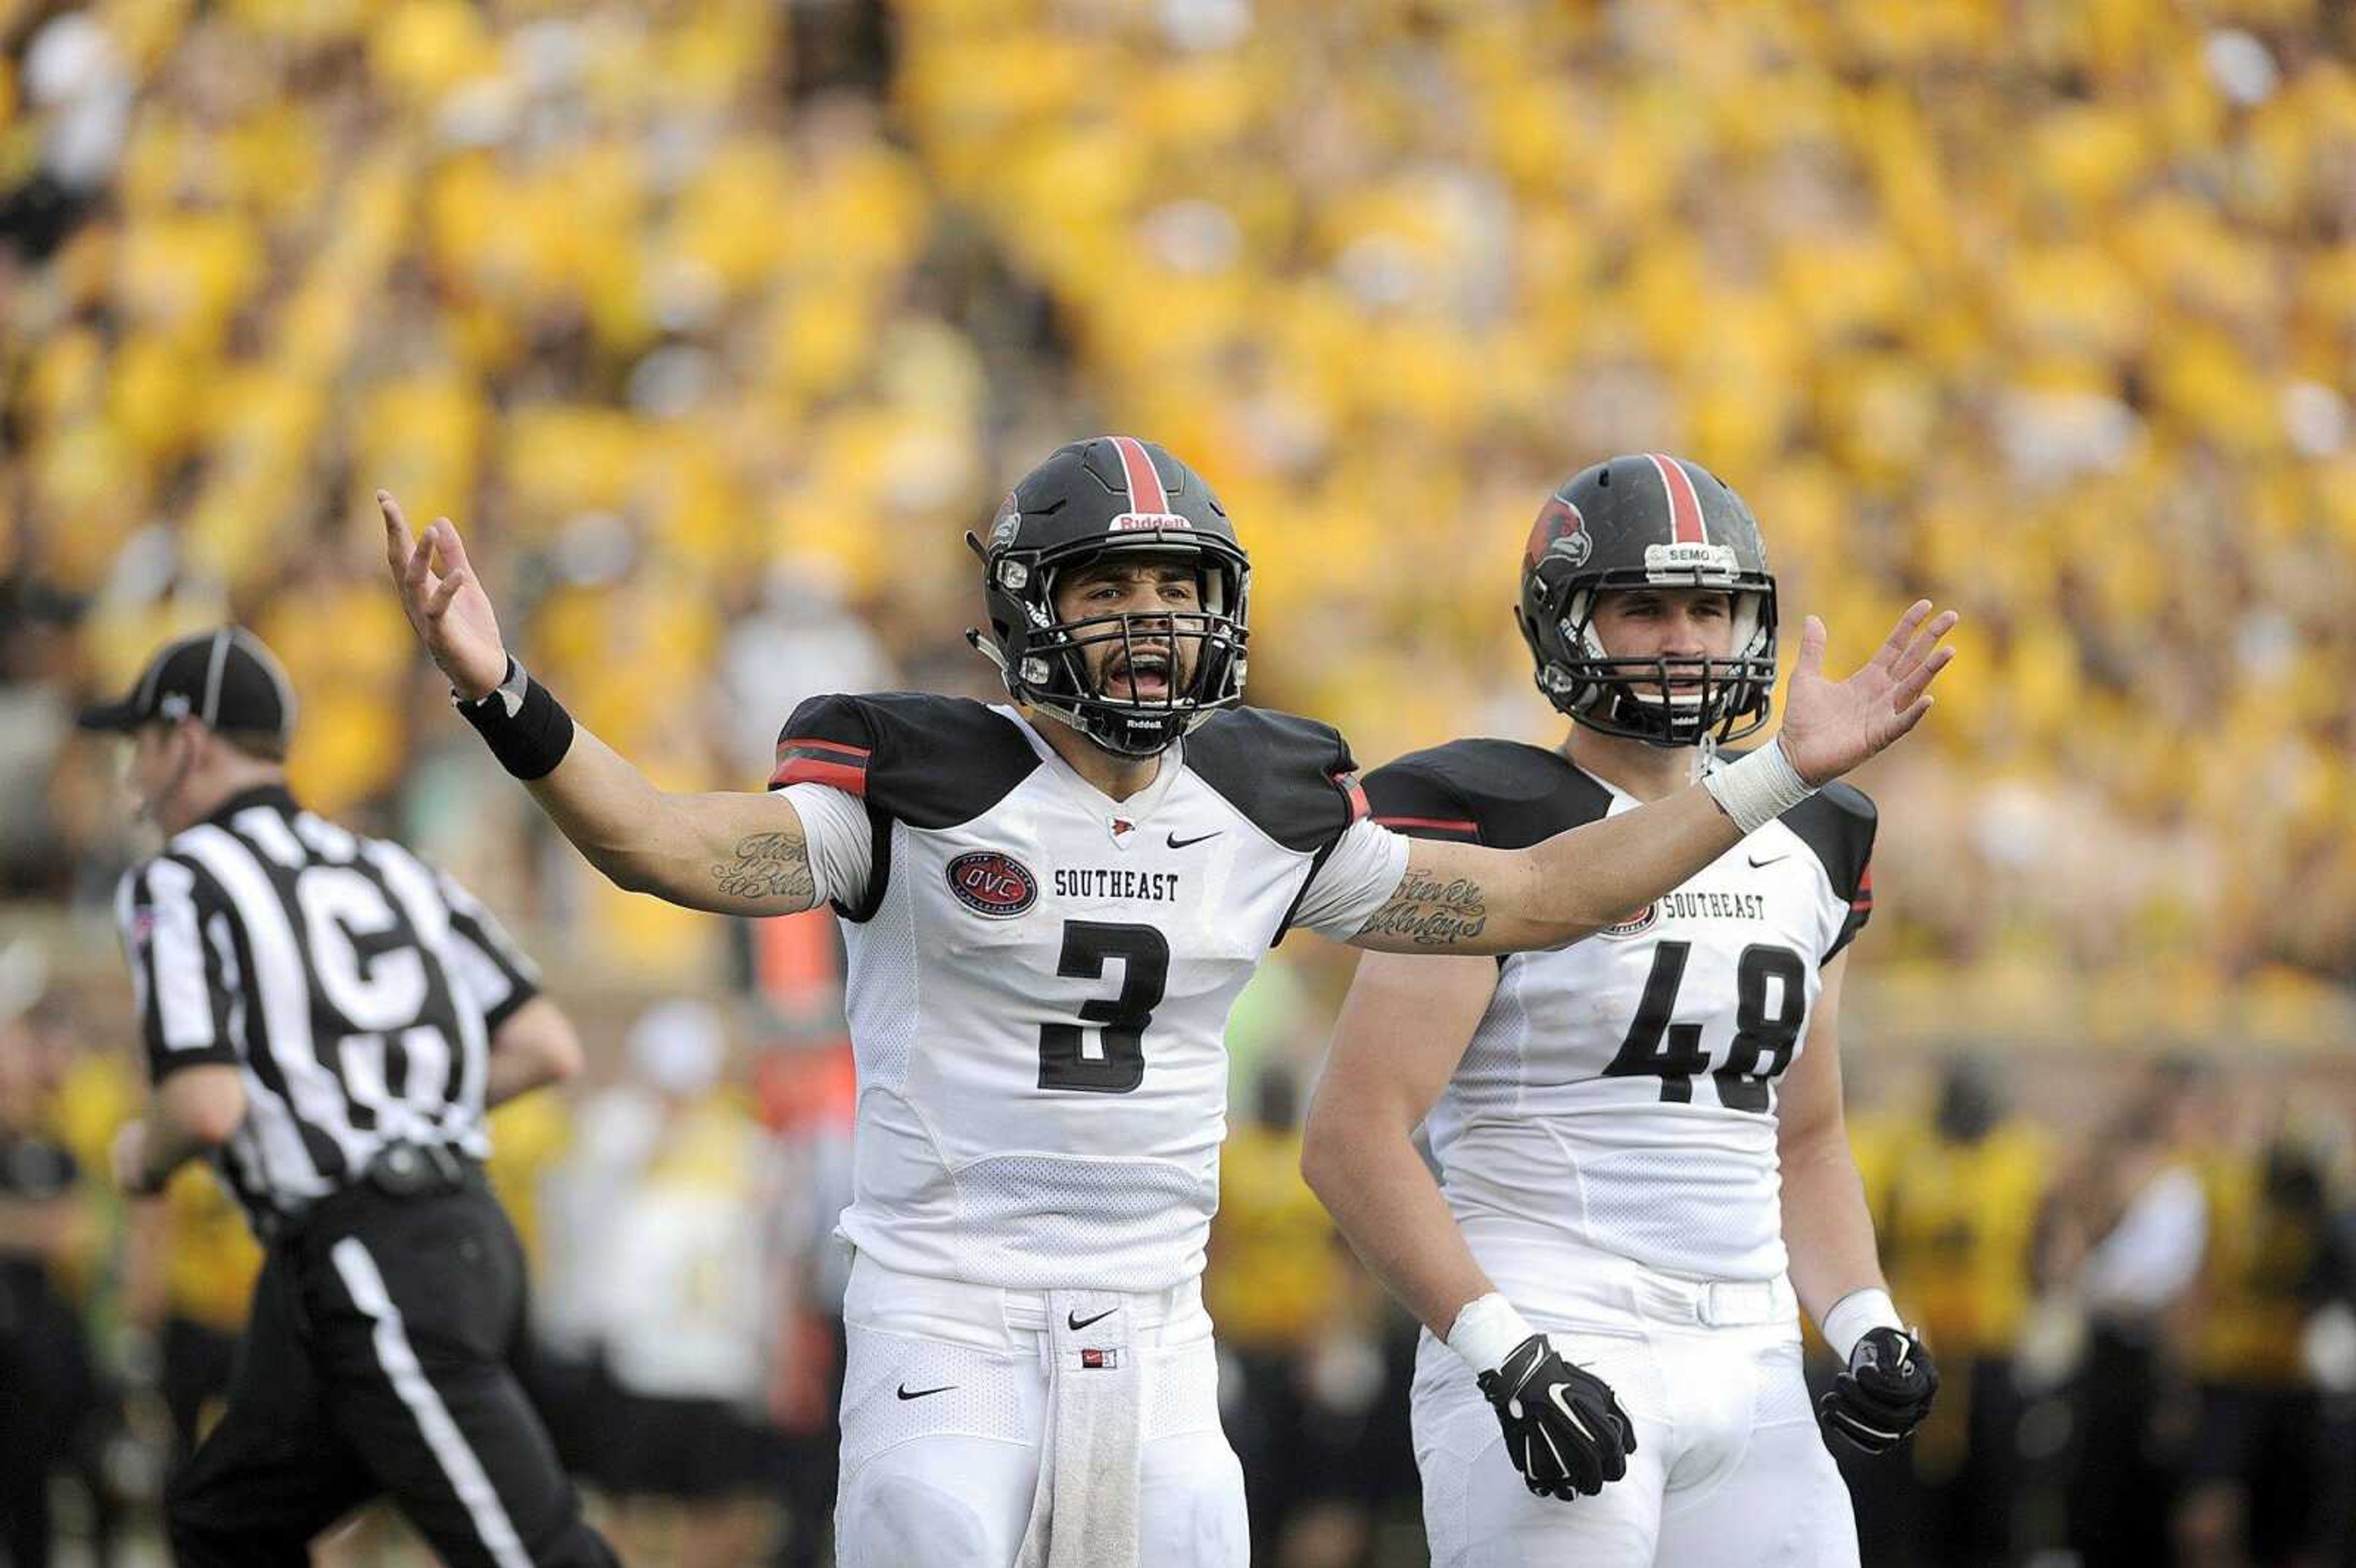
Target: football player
[1639,1135]
[1050,908]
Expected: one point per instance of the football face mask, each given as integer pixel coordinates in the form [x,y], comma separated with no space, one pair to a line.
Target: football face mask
[1138,674]
[1648,522]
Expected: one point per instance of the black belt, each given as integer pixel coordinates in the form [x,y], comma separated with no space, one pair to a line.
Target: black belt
[416,1171]
[402,1171]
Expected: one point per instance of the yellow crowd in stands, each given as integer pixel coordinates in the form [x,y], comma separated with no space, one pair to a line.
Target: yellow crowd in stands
[2047,311]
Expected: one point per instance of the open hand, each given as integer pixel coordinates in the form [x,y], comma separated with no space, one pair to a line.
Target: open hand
[1830,727]
[445,604]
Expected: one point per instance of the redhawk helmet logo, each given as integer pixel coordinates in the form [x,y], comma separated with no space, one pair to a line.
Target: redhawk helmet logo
[1008,523]
[1560,531]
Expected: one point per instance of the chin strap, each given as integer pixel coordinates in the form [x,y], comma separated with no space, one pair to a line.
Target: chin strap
[985,647]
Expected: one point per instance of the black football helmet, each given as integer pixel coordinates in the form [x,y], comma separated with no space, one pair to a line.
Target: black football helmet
[1113,494]
[1648,520]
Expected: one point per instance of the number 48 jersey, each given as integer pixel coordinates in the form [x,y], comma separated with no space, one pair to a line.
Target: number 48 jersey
[1619,1092]
[1039,976]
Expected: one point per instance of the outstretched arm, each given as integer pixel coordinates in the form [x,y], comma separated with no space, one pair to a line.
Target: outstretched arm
[732,852]
[1463,898]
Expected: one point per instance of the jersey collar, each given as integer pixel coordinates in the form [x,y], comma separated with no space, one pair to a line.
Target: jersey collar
[276,795]
[1135,808]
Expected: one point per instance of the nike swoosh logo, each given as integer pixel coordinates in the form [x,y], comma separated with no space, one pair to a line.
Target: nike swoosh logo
[907,1393]
[1562,1397]
[1757,862]
[1074,1322]
[1177,843]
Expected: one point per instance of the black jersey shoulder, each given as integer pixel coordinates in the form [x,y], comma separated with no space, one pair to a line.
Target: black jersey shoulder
[1836,823]
[1500,793]
[917,758]
[1293,778]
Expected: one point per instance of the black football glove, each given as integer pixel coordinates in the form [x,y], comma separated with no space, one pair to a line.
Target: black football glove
[1564,1427]
[1877,1403]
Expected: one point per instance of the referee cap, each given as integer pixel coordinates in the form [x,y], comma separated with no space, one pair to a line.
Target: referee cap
[226,677]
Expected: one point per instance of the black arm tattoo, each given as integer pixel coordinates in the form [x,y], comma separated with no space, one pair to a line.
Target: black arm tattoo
[1431,912]
[768,865]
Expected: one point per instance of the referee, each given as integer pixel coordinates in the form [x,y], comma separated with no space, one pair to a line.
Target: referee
[326,1019]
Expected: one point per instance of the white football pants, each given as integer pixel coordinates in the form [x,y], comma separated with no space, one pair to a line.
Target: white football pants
[945,1404]
[1730,1471]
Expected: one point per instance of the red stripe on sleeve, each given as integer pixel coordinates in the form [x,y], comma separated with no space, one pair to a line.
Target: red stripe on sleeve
[1348,785]
[809,770]
[830,745]
[1448,824]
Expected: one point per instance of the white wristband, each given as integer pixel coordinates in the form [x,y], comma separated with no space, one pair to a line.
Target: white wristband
[1756,789]
[1487,1331]
[1854,1314]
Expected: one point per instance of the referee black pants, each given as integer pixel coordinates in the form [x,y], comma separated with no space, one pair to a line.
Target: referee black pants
[377,1362]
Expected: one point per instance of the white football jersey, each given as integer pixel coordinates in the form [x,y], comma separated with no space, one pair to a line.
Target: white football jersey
[1039,976]
[1618,1095]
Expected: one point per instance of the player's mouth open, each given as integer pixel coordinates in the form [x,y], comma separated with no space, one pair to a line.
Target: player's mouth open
[1143,679]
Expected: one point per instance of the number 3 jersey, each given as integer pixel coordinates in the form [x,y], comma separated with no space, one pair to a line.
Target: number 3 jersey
[1619,1093]
[1039,976]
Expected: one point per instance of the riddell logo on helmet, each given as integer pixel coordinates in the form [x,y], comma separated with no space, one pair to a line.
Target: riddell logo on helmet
[1137,522]
[994,885]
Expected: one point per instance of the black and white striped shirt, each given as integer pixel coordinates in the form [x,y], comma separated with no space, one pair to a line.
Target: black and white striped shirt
[354,987]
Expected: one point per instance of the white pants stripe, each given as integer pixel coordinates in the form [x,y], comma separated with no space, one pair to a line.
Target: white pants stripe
[409,1380]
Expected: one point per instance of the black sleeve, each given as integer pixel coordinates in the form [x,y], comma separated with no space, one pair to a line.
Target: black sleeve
[495,972]
[1412,796]
[178,982]
[1503,794]
[927,761]
[829,741]
[1292,777]
[1837,824]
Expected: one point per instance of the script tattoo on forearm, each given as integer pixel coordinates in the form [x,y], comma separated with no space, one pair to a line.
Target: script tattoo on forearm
[768,865]
[1431,912]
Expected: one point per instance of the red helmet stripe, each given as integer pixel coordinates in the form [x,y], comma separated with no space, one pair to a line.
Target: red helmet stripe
[1145,491]
[1684,506]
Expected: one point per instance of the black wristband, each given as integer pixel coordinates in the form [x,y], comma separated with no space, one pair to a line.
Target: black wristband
[526,727]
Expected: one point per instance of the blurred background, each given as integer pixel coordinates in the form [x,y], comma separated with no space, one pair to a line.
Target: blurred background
[715,322]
